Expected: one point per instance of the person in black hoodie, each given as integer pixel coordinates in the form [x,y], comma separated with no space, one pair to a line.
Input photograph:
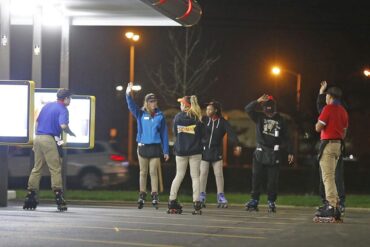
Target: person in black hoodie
[271,134]
[215,128]
[187,128]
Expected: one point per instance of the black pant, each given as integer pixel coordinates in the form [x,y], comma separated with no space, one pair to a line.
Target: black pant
[339,181]
[259,172]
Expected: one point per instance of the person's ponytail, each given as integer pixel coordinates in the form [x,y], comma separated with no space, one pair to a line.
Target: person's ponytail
[195,108]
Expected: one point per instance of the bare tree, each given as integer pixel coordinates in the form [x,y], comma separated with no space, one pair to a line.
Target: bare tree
[187,69]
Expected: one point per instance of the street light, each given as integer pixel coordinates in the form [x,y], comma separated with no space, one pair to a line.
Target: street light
[277,70]
[132,37]
[367,72]
[135,88]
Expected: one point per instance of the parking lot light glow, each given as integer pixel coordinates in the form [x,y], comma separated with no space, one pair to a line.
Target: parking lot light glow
[119,88]
[129,35]
[136,87]
[276,70]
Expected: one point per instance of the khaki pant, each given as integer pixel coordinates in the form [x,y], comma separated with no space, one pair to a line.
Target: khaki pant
[151,164]
[181,167]
[46,151]
[219,175]
[328,163]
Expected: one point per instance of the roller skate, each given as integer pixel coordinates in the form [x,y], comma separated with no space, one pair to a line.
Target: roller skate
[252,205]
[59,199]
[324,205]
[141,200]
[327,214]
[271,207]
[342,208]
[155,200]
[202,199]
[197,205]
[30,202]
[221,200]
[174,207]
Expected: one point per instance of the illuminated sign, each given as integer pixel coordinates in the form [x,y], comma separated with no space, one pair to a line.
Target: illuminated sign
[16,119]
[81,117]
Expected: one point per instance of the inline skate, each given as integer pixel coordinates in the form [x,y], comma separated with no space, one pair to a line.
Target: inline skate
[141,200]
[155,200]
[252,205]
[342,207]
[327,214]
[197,205]
[30,202]
[59,200]
[271,206]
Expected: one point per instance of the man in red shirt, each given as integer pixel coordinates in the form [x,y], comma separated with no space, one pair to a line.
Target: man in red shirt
[333,124]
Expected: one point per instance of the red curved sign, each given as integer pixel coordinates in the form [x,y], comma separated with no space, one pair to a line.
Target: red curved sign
[187,13]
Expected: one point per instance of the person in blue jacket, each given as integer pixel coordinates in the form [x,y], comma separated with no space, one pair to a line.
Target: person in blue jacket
[152,139]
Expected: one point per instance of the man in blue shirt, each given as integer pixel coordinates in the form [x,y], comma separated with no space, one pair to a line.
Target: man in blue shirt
[52,120]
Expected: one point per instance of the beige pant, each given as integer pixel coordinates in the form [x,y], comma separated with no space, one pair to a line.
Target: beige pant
[328,163]
[181,166]
[151,164]
[219,175]
[46,150]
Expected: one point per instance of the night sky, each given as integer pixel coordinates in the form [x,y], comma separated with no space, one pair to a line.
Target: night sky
[322,41]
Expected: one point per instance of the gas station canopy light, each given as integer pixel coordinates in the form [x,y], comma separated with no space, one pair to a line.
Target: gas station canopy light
[88,13]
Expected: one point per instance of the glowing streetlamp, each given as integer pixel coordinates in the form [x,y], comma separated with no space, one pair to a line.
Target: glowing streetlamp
[135,88]
[132,37]
[277,70]
[367,72]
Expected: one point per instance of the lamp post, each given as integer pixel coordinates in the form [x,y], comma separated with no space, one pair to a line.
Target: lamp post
[276,71]
[132,37]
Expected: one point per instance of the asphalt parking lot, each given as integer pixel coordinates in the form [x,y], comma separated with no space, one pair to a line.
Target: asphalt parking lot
[125,225]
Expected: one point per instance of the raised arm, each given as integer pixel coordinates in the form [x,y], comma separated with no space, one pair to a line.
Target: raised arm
[133,108]
[320,101]
[251,107]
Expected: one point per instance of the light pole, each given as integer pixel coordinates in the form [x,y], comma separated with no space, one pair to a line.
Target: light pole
[276,71]
[132,37]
